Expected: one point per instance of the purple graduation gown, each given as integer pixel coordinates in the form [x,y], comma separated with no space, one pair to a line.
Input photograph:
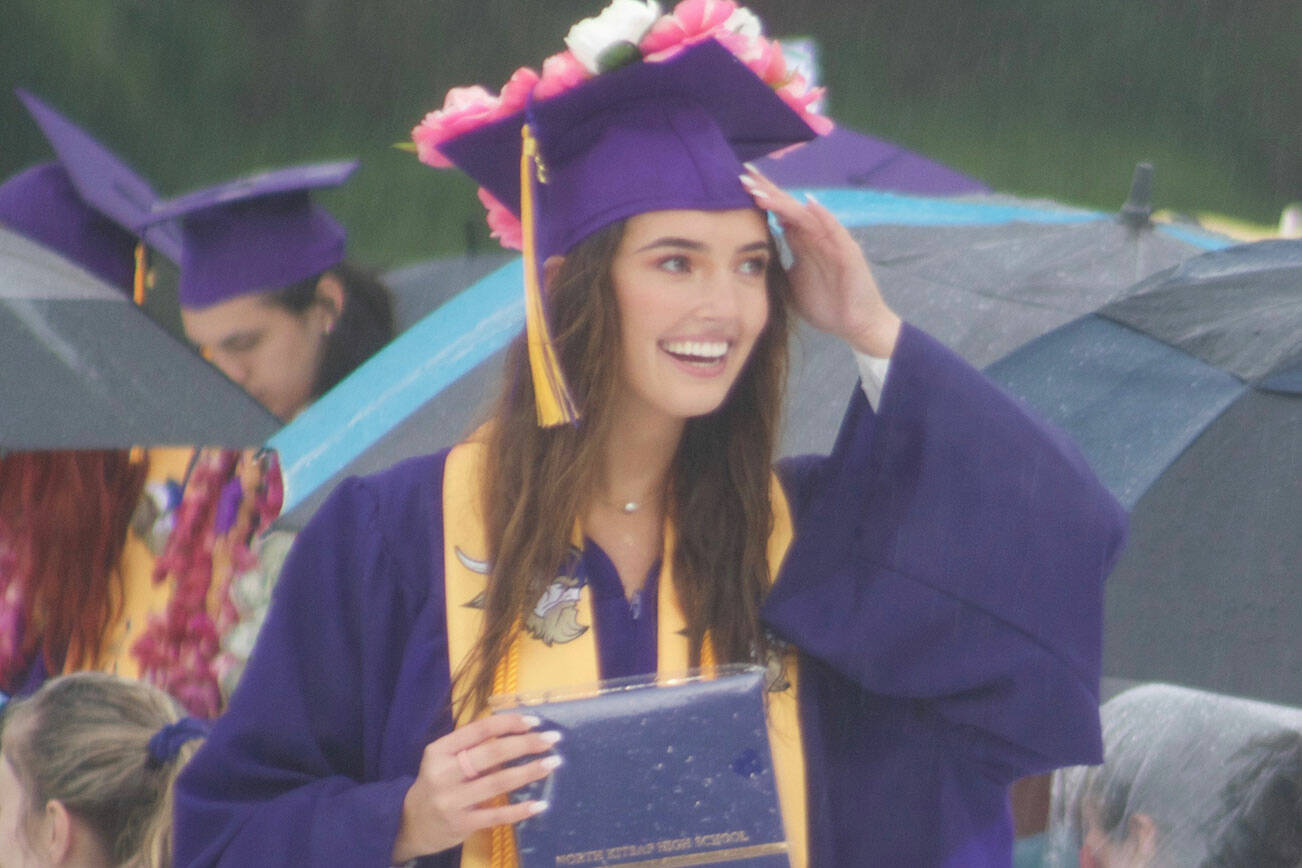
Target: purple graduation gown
[944,589]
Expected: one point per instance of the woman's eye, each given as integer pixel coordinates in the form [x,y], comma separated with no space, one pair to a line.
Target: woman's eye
[756,265]
[675,264]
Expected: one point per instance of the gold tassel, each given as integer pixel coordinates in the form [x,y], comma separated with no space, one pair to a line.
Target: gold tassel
[551,395]
[142,270]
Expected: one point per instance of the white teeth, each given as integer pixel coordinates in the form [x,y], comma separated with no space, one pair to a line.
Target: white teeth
[712,350]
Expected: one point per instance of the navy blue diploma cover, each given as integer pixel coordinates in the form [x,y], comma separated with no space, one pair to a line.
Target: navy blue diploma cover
[656,772]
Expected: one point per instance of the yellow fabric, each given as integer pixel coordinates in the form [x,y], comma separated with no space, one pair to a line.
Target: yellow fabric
[564,657]
[552,397]
[141,597]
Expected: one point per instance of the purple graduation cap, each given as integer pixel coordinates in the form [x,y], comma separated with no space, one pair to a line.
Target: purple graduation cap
[89,205]
[649,136]
[255,234]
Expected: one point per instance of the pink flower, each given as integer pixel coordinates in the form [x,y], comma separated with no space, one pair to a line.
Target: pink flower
[762,57]
[505,226]
[691,21]
[799,96]
[464,109]
[560,72]
[515,93]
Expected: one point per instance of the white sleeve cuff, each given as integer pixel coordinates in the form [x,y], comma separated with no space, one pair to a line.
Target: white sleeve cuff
[872,376]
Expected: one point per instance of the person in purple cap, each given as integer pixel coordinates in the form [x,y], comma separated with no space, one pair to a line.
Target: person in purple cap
[266,294]
[265,291]
[927,599]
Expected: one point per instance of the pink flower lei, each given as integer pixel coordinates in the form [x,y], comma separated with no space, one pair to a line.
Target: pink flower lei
[692,21]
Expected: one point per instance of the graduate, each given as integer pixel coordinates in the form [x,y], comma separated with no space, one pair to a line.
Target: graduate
[268,296]
[927,598]
[266,292]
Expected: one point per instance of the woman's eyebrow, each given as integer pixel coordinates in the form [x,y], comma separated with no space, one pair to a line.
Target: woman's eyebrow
[671,241]
[689,244]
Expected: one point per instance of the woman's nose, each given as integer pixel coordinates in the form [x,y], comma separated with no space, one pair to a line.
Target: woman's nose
[722,295]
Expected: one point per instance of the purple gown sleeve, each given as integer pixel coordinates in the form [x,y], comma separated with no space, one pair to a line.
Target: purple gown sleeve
[293,773]
[951,553]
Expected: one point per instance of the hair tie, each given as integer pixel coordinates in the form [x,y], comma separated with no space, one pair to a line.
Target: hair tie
[165,744]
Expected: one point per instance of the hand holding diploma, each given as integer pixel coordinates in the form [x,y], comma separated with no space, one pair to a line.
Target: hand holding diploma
[462,773]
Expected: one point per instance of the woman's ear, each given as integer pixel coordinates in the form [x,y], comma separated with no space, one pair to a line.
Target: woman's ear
[55,835]
[551,268]
[330,296]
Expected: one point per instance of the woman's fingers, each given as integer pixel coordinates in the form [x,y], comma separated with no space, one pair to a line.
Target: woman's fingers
[501,782]
[488,755]
[484,818]
[485,728]
[461,772]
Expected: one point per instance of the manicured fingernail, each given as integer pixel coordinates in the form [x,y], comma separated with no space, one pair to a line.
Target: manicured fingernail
[539,807]
[810,197]
[551,736]
[531,721]
[747,181]
[750,167]
[551,762]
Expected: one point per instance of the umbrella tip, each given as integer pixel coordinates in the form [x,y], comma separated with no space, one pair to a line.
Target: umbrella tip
[1139,204]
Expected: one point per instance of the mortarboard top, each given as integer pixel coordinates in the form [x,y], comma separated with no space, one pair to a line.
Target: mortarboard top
[650,136]
[41,203]
[100,177]
[253,234]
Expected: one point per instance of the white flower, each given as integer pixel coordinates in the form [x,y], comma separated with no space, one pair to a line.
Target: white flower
[621,21]
[745,22]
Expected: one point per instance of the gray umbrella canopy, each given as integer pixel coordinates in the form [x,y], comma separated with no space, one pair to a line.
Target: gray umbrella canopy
[981,289]
[82,368]
[983,273]
[1185,395]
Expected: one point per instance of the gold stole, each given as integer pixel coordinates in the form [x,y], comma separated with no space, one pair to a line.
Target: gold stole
[141,596]
[567,655]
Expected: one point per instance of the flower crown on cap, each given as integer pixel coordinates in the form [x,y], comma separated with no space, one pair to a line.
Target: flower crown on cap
[626,31]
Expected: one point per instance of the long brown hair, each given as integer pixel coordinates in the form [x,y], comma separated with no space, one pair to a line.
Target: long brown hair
[65,518]
[83,740]
[539,479]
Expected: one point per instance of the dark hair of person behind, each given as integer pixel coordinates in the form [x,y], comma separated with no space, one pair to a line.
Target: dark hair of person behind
[540,479]
[1262,824]
[364,326]
[64,517]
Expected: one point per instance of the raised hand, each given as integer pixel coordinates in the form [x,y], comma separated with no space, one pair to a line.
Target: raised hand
[462,773]
[832,286]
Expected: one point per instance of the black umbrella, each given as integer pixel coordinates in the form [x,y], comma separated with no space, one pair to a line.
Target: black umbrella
[82,368]
[1185,394]
[984,274]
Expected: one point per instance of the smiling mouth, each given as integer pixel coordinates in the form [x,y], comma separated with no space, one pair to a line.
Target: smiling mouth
[701,353]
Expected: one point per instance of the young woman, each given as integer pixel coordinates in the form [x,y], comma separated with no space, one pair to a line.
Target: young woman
[87,766]
[928,596]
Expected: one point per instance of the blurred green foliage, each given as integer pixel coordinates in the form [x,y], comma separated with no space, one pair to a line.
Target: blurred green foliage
[1047,97]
